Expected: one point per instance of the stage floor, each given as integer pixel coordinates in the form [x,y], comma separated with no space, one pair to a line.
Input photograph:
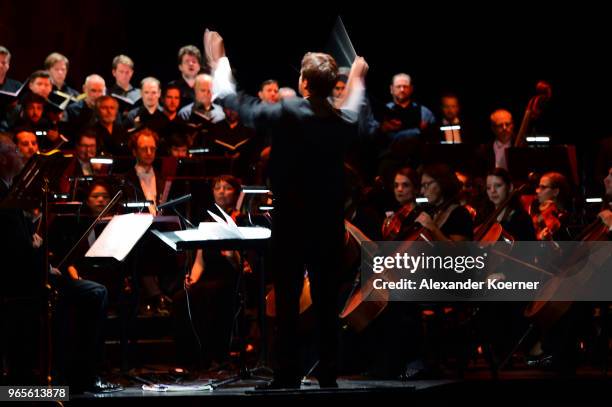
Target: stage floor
[518,387]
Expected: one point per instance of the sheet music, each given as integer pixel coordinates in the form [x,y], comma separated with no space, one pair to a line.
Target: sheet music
[120,236]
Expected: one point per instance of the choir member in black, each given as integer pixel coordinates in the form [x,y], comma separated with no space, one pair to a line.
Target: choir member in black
[211,286]
[268,91]
[32,113]
[236,142]
[122,70]
[189,64]
[27,143]
[81,115]
[171,102]
[7,104]
[39,83]
[203,115]
[57,66]
[150,115]
[111,137]
[450,221]
[178,146]
[306,230]
[514,219]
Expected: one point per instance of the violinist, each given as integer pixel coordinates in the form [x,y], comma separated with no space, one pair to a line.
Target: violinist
[405,187]
[550,217]
[513,218]
[606,213]
[450,220]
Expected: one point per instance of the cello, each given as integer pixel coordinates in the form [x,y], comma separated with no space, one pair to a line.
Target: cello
[365,304]
[543,310]
[533,111]
[491,230]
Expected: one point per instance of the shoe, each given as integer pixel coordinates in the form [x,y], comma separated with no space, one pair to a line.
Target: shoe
[101,386]
[327,381]
[328,384]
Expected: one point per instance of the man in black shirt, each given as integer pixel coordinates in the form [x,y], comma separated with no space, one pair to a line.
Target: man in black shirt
[189,60]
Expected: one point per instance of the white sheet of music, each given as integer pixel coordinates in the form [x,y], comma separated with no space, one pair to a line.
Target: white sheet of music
[120,236]
[222,231]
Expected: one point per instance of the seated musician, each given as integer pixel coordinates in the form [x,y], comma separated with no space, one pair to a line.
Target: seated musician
[606,213]
[405,187]
[211,289]
[450,220]
[550,215]
[514,219]
[145,184]
[82,303]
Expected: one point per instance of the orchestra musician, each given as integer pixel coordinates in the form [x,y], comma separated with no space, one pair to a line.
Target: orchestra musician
[550,215]
[405,187]
[450,220]
[513,219]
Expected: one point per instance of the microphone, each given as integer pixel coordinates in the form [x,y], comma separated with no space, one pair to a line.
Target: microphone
[174,202]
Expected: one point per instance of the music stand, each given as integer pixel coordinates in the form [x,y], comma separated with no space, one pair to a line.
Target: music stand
[522,160]
[461,157]
[219,236]
[31,189]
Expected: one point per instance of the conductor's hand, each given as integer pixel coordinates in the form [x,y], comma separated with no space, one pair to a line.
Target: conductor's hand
[190,280]
[36,241]
[359,69]
[214,47]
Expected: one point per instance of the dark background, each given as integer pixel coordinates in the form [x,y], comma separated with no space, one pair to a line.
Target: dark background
[491,56]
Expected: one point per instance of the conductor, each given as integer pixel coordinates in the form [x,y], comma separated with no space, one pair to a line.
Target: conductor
[306,174]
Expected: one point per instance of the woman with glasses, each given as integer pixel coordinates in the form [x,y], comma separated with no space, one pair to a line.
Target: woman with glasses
[550,215]
[448,220]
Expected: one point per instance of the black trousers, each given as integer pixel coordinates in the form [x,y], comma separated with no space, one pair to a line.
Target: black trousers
[79,325]
[313,243]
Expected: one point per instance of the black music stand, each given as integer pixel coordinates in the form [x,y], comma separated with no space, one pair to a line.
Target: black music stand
[113,246]
[562,158]
[197,239]
[462,157]
[30,190]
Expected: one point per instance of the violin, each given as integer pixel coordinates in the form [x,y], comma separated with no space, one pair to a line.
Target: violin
[547,220]
[544,311]
[393,225]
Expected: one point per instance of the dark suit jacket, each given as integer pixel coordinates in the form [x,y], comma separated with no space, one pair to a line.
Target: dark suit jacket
[134,191]
[21,274]
[308,141]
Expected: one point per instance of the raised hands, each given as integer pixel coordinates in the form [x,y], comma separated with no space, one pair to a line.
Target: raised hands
[213,47]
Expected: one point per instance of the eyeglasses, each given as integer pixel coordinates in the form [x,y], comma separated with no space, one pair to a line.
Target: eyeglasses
[426,185]
[544,186]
